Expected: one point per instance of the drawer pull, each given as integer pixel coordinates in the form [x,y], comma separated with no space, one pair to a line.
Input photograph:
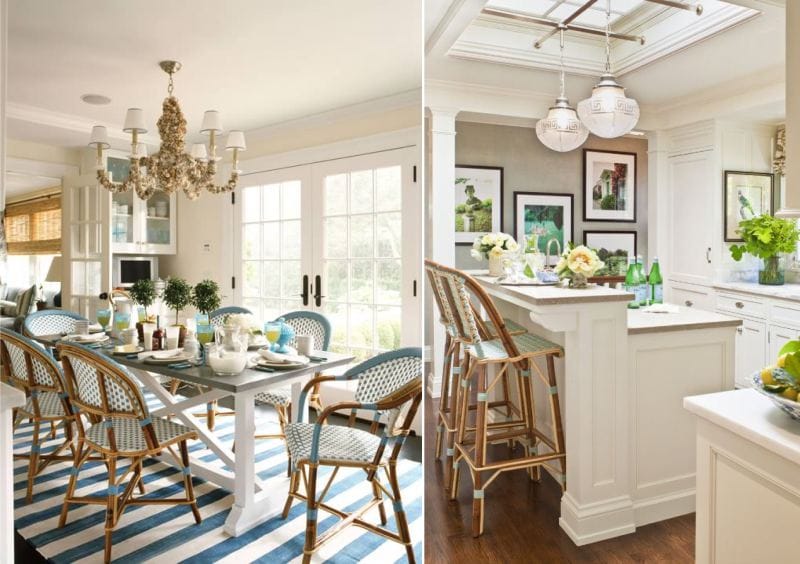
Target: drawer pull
[689,303]
[739,305]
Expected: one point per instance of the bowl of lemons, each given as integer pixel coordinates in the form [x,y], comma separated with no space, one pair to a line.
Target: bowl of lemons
[781,382]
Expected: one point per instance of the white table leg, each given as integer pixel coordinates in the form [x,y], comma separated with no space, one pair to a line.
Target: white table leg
[299,415]
[250,507]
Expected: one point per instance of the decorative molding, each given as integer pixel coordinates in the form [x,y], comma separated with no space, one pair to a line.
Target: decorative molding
[40,169]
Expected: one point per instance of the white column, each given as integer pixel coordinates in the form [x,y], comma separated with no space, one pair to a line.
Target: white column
[9,399]
[441,217]
[791,207]
[657,229]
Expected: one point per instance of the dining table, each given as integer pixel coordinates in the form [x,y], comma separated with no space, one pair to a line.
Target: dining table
[253,501]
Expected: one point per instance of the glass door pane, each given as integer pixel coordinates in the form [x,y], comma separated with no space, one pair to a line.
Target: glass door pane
[157,217]
[361,251]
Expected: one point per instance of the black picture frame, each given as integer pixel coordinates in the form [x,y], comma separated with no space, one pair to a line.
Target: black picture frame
[499,199]
[587,196]
[543,197]
[766,205]
[614,268]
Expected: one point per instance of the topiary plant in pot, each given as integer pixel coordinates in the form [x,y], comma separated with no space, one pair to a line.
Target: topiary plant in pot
[143,293]
[178,295]
[767,238]
[206,296]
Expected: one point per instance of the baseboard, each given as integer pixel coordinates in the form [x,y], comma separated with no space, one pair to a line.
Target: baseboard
[654,509]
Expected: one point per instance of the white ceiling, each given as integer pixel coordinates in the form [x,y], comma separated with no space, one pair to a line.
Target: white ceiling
[259,63]
[747,55]
[18,183]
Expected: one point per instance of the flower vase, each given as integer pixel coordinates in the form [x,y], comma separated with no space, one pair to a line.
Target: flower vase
[579,281]
[772,274]
[496,266]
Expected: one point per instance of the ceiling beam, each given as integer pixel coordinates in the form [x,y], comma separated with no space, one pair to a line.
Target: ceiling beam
[456,20]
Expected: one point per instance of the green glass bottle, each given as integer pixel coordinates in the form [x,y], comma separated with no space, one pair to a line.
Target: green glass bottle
[643,287]
[632,283]
[656,283]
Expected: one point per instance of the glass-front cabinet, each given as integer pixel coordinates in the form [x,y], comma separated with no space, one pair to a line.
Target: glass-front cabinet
[139,226]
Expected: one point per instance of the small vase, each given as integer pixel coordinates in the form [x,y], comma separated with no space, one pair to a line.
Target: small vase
[579,281]
[772,272]
[496,266]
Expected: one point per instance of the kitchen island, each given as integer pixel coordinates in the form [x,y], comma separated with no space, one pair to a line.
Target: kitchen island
[630,445]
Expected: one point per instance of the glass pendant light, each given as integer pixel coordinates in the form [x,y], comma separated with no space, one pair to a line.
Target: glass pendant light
[608,113]
[561,130]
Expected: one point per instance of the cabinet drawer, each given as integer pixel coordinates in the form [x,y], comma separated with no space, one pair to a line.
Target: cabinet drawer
[784,314]
[741,306]
[690,296]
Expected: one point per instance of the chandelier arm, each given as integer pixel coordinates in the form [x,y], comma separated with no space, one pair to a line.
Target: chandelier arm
[227,187]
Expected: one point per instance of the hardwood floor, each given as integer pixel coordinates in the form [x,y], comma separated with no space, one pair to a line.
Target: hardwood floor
[522,523]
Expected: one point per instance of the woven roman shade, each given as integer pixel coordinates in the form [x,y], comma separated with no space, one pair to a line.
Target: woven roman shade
[34,227]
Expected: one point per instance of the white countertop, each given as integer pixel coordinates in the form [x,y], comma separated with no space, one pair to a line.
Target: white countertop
[752,416]
[785,291]
[686,319]
[551,295]
[10,398]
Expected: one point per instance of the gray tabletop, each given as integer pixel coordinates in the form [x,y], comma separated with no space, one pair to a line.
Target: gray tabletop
[247,380]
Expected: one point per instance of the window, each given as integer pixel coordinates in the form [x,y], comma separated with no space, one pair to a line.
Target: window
[33,227]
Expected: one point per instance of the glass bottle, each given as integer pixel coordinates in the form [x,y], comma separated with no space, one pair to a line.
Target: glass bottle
[158,335]
[632,283]
[656,283]
[643,287]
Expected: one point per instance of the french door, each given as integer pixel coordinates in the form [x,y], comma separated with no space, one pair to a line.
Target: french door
[340,237]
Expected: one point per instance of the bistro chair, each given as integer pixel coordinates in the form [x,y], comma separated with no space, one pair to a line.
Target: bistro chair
[503,354]
[390,385]
[50,322]
[451,368]
[26,365]
[119,427]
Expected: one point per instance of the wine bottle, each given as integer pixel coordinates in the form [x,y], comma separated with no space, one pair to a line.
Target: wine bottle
[632,283]
[656,283]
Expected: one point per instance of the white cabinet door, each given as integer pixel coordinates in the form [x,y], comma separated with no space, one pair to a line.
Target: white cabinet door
[751,350]
[779,336]
[690,196]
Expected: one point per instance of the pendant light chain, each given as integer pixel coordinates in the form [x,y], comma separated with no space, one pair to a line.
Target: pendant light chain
[608,36]
[561,63]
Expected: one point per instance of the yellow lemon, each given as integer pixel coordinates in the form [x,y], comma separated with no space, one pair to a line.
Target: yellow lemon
[766,376]
[782,360]
[789,393]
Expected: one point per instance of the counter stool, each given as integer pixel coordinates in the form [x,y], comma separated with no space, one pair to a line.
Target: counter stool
[504,353]
[445,416]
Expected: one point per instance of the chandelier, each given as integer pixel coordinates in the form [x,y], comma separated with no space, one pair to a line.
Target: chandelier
[608,113]
[171,168]
[561,130]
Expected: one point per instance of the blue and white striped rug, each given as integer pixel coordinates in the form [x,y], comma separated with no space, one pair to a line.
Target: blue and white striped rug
[168,533]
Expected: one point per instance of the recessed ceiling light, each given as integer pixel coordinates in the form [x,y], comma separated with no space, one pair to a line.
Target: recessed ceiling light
[96,99]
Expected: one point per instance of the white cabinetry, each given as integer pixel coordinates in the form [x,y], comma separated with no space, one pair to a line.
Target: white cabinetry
[779,336]
[751,349]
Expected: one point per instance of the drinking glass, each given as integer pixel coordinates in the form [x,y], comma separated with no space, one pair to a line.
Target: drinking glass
[141,314]
[104,317]
[173,335]
[205,333]
[201,319]
[122,321]
[272,331]
[147,335]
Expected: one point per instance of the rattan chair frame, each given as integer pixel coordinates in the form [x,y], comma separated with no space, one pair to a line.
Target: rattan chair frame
[306,470]
[37,461]
[108,371]
[471,444]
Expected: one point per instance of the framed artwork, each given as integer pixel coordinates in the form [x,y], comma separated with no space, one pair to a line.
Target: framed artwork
[613,248]
[479,202]
[547,215]
[609,186]
[747,195]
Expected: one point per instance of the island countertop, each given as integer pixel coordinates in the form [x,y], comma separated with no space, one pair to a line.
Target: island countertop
[550,295]
[686,319]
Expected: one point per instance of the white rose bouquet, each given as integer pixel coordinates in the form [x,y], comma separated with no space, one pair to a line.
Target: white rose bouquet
[577,264]
[247,324]
[493,245]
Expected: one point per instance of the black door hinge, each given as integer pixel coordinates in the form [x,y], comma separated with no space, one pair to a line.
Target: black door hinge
[415,288]
[233,282]
[414,175]
[233,198]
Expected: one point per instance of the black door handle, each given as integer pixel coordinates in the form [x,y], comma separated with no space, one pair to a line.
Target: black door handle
[318,290]
[304,295]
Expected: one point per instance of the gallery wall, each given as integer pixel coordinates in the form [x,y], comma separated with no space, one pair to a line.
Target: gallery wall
[529,166]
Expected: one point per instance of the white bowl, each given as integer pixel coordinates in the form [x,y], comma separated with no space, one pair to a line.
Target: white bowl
[227,365]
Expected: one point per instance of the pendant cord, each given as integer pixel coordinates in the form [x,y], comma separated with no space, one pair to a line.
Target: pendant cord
[608,36]
[170,87]
[561,63]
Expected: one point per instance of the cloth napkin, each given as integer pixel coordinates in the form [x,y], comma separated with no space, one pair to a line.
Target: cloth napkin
[661,308]
[92,338]
[280,357]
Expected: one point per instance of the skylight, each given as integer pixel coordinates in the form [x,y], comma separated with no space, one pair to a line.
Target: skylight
[558,10]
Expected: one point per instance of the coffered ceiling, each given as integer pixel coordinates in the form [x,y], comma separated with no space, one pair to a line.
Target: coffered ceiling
[259,63]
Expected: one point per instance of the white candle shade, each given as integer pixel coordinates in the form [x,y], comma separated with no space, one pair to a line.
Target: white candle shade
[134,121]
[211,122]
[236,141]
[199,152]
[99,137]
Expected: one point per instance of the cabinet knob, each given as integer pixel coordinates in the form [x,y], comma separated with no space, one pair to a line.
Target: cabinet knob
[689,303]
[739,305]
[739,330]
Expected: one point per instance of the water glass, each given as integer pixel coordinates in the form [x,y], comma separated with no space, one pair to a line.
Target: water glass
[173,333]
[104,317]
[272,331]
[122,321]
[205,333]
[147,334]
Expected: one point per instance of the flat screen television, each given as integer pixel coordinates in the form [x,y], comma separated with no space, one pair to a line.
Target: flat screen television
[129,269]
